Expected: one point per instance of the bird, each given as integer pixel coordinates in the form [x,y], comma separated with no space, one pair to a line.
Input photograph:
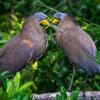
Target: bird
[28,45]
[77,45]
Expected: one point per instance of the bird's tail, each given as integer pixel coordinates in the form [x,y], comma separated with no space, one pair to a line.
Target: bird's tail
[90,66]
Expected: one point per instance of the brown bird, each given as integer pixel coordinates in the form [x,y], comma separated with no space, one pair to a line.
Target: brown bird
[29,44]
[77,44]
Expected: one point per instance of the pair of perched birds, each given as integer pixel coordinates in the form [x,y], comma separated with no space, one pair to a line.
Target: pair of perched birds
[31,43]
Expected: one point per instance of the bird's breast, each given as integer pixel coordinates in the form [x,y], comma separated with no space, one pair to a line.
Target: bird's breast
[28,42]
[40,45]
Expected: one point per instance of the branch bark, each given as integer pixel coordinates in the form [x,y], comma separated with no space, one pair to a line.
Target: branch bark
[88,95]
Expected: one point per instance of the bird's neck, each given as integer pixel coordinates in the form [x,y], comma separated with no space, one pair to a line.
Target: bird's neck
[30,28]
[68,23]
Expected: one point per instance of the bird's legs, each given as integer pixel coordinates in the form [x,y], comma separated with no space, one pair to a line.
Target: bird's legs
[71,83]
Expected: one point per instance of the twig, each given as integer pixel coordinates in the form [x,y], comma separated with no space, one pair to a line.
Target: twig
[72,78]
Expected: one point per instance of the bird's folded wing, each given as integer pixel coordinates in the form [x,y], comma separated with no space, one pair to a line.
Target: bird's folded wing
[88,44]
[81,40]
[3,50]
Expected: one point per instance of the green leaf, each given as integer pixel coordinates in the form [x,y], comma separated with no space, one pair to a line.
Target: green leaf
[4,75]
[75,94]
[1,90]
[16,81]
[63,93]
[98,56]
[59,97]
[97,86]
[3,95]
[3,41]
[10,88]
[25,86]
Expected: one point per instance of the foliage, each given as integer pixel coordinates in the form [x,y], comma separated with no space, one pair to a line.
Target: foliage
[53,70]
[14,90]
[4,75]
[64,96]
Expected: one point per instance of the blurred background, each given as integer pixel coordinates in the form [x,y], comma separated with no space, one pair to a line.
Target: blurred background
[53,70]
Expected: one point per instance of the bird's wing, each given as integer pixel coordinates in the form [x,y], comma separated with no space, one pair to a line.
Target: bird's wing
[80,40]
[87,44]
[3,50]
[25,50]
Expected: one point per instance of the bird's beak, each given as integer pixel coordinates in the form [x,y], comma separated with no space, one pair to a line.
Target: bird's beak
[55,20]
[56,27]
[50,22]
[44,21]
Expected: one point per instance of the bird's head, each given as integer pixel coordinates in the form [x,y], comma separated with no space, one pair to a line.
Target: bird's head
[41,18]
[63,17]
[45,20]
[59,16]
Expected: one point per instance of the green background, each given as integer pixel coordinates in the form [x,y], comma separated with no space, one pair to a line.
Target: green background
[53,70]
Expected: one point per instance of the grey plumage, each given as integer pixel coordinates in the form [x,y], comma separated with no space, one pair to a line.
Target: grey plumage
[76,43]
[29,44]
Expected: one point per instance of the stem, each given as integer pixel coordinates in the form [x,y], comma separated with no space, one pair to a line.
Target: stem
[72,77]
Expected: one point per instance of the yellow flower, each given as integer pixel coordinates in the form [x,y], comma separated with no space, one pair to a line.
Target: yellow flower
[35,65]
